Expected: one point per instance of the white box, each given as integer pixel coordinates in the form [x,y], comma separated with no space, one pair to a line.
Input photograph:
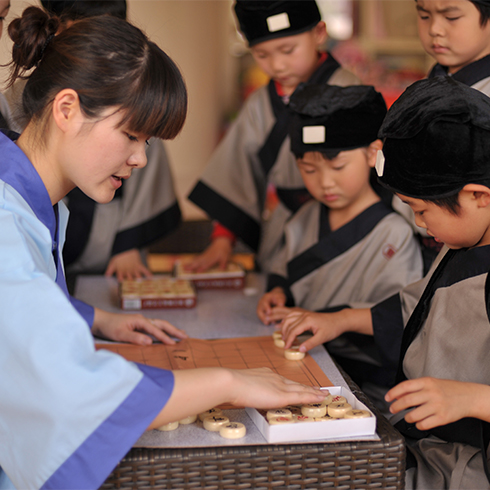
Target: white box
[310,431]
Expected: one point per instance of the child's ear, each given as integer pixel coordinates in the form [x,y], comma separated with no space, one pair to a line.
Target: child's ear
[320,33]
[66,106]
[372,152]
[479,193]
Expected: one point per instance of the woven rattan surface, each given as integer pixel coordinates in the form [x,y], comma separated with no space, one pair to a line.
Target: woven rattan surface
[348,465]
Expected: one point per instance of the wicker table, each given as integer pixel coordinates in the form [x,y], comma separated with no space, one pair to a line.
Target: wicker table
[341,465]
[347,465]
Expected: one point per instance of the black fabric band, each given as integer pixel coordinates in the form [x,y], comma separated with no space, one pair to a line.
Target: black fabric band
[270,150]
[331,245]
[293,199]
[149,231]
[226,213]
[82,210]
[3,122]
[469,75]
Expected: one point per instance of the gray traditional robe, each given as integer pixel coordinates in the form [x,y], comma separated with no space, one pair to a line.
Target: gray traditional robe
[453,343]
[362,263]
[254,153]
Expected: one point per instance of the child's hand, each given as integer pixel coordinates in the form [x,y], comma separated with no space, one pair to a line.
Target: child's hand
[325,327]
[275,297]
[217,254]
[132,328]
[438,401]
[127,265]
[278,313]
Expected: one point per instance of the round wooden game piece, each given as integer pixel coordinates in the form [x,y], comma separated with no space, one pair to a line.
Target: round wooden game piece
[281,420]
[168,427]
[215,422]
[190,419]
[325,418]
[279,412]
[327,400]
[338,409]
[233,430]
[314,410]
[210,412]
[357,414]
[277,335]
[338,399]
[294,354]
[279,343]
[303,418]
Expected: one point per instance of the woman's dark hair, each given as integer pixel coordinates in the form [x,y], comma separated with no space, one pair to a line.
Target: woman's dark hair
[81,9]
[107,61]
[451,203]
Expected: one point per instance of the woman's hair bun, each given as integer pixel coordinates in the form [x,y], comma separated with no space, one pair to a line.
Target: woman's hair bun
[31,34]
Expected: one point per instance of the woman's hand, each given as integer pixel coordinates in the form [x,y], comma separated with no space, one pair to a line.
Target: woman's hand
[134,328]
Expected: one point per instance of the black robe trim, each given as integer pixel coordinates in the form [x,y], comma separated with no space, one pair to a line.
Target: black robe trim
[270,150]
[141,235]
[332,244]
[469,75]
[455,266]
[229,215]
[293,199]
[82,210]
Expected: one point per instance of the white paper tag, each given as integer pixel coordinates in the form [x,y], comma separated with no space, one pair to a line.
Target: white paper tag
[314,134]
[380,163]
[278,22]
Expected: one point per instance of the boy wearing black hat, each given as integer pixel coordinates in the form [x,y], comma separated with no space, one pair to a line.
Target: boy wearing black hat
[345,246]
[456,33]
[436,159]
[285,38]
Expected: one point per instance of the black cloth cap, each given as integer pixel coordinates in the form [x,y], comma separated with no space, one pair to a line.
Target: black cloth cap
[262,20]
[328,117]
[437,139]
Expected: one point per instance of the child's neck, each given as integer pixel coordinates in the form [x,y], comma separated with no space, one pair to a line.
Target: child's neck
[285,92]
[340,217]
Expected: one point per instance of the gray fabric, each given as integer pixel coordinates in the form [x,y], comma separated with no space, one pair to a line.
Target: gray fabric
[235,172]
[361,276]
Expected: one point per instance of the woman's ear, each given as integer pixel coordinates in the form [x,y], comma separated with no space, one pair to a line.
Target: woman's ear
[372,152]
[66,108]
[480,194]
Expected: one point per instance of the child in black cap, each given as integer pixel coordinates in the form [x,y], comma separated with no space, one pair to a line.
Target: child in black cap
[436,159]
[344,247]
[285,38]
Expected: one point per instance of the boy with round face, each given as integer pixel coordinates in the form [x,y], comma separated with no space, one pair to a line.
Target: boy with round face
[344,246]
[285,39]
[456,33]
[435,158]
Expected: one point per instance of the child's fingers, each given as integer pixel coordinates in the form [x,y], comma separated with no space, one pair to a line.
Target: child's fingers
[403,388]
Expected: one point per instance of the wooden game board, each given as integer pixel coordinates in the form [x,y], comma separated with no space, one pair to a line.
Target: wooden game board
[237,353]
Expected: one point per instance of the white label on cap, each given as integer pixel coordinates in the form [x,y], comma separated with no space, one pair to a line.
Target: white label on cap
[314,134]
[278,22]
[380,163]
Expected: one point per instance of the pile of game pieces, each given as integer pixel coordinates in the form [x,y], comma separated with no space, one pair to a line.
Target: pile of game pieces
[157,292]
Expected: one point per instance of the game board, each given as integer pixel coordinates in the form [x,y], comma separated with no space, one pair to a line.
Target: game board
[236,353]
